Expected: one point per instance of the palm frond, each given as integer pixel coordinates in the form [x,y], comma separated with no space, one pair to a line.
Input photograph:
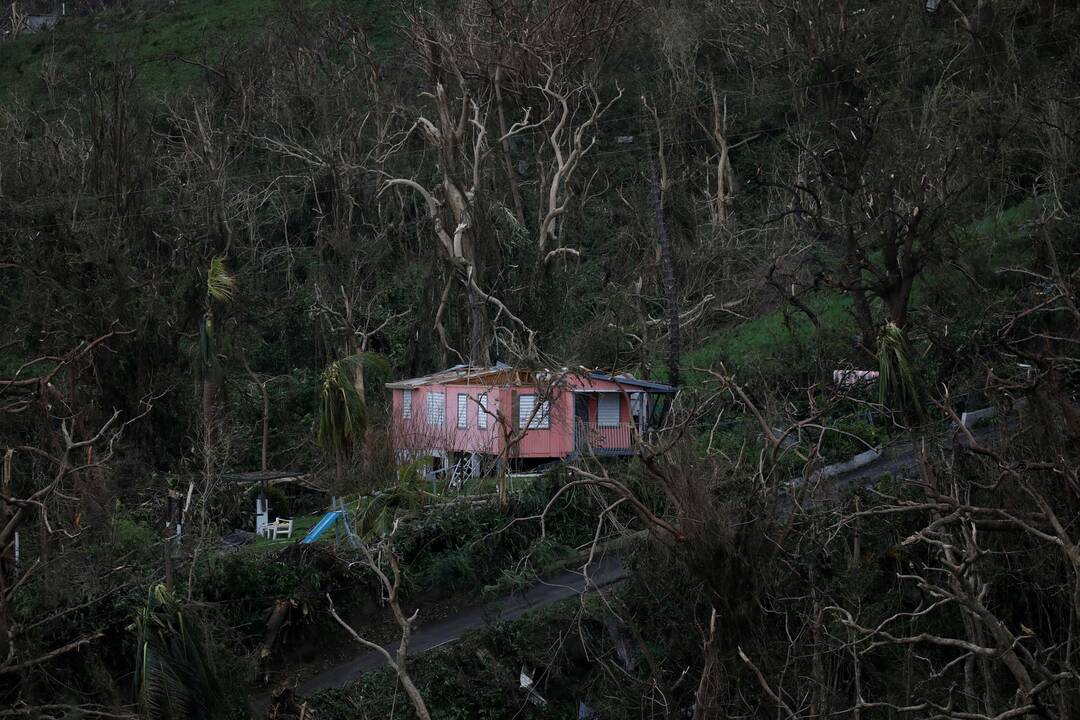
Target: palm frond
[367,360]
[342,412]
[898,383]
[378,511]
[174,678]
[219,283]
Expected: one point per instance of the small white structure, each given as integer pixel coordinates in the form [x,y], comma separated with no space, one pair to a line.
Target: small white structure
[262,515]
[528,684]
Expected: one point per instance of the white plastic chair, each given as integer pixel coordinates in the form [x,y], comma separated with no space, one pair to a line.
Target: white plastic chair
[283,528]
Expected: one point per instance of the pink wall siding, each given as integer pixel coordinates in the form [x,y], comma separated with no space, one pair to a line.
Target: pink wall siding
[556,440]
[419,435]
[416,433]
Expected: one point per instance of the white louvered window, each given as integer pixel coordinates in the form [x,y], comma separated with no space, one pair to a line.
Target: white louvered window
[406,404]
[436,408]
[541,419]
[462,410]
[482,411]
[607,410]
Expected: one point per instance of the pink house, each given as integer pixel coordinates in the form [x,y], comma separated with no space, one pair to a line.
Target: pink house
[468,413]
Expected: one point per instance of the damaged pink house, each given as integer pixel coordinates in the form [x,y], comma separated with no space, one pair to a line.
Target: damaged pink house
[468,415]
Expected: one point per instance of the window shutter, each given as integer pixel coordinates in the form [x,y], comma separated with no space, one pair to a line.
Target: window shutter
[542,419]
[436,408]
[462,410]
[482,411]
[531,415]
[517,411]
[607,410]
[406,404]
[526,403]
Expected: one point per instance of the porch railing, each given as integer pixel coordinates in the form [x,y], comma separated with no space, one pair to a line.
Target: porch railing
[601,439]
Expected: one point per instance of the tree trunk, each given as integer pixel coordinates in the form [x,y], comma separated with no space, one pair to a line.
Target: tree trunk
[263,460]
[864,318]
[479,354]
[508,166]
[896,300]
[671,302]
[7,561]
[504,488]
[265,396]
[464,257]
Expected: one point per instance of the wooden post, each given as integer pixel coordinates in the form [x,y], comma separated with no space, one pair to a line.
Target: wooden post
[337,525]
[168,541]
[43,536]
[7,571]
[5,511]
[5,485]
[856,552]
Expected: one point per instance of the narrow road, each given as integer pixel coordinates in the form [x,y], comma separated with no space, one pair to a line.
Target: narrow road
[603,571]
[904,461]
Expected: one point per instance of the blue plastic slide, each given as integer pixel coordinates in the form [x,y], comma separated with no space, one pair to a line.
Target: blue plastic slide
[320,527]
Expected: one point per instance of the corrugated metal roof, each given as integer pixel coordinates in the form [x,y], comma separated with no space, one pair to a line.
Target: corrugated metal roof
[451,375]
[466,373]
[633,382]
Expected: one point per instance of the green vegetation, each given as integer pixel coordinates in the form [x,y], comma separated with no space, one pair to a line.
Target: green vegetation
[225,225]
[165,44]
[779,343]
[170,46]
[174,677]
[479,677]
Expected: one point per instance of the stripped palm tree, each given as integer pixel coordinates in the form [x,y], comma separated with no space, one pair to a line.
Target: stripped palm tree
[174,678]
[899,386]
[342,411]
[220,286]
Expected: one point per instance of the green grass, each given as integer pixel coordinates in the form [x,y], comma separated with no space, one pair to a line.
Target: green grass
[1002,239]
[11,363]
[944,297]
[784,342]
[155,39]
[301,525]
[487,485]
[772,345]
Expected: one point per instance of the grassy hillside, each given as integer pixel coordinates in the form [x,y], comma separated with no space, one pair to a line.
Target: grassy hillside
[784,341]
[167,43]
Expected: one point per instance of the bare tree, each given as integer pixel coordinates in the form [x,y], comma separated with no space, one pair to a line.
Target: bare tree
[457,131]
[378,555]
